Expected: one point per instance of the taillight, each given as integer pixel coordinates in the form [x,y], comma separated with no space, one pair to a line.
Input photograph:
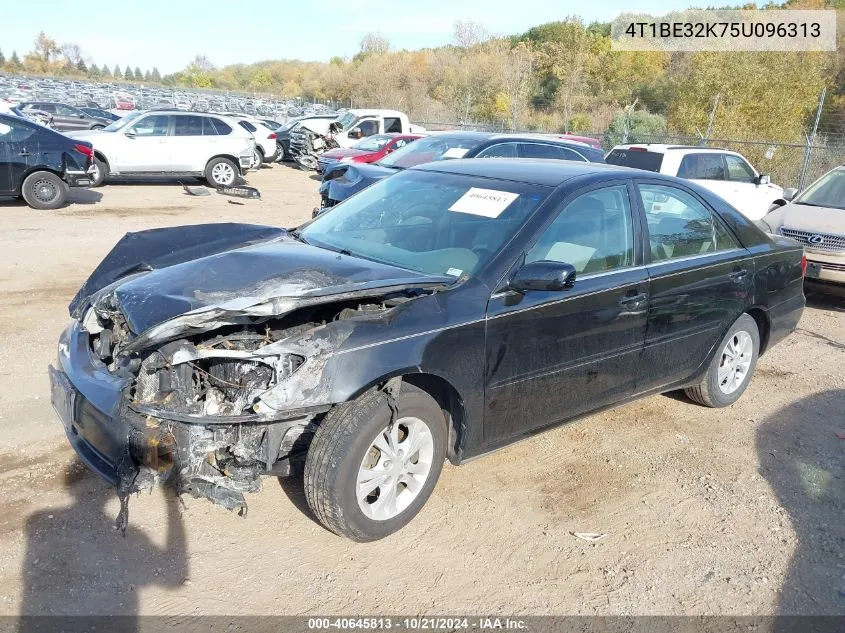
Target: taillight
[803,265]
[272,135]
[84,149]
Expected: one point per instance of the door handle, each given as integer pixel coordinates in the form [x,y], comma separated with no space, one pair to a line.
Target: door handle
[738,275]
[24,153]
[635,303]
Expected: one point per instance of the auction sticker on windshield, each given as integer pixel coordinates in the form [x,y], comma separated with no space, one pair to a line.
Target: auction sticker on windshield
[487,202]
[455,152]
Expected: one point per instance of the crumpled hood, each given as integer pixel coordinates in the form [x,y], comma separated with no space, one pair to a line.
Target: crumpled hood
[807,218]
[244,278]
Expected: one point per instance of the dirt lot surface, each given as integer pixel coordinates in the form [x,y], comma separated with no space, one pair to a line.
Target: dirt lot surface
[732,511]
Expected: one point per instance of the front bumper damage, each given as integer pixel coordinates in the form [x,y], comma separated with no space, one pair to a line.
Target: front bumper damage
[135,447]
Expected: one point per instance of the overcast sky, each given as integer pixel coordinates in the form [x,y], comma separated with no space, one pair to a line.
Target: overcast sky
[168,34]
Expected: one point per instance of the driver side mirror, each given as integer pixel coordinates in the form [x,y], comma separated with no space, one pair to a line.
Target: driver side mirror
[130,133]
[789,193]
[544,275]
[763,179]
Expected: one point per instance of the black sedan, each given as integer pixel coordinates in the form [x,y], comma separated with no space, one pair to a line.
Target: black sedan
[442,313]
[39,164]
[342,180]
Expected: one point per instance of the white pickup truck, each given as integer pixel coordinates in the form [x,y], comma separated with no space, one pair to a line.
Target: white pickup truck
[312,137]
[725,173]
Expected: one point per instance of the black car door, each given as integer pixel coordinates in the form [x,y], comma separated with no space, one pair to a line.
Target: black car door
[700,280]
[18,151]
[555,355]
[5,158]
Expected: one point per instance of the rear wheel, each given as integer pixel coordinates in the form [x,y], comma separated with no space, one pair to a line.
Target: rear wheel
[97,127]
[44,190]
[369,471]
[221,172]
[730,371]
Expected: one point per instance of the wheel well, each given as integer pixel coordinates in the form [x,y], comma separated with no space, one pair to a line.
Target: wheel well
[229,157]
[453,407]
[777,203]
[35,170]
[102,157]
[763,325]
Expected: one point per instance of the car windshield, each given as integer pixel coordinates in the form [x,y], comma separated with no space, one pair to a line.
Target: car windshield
[346,120]
[373,143]
[435,223]
[827,191]
[429,149]
[122,123]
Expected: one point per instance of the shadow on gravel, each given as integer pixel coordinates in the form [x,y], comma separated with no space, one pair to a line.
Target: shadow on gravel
[294,488]
[801,457]
[84,196]
[825,296]
[77,564]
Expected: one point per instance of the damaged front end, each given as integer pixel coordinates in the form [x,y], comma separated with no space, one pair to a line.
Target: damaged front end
[307,144]
[206,382]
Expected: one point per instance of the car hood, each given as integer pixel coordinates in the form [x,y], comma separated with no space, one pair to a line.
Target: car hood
[807,218]
[185,290]
[85,135]
[337,154]
[369,172]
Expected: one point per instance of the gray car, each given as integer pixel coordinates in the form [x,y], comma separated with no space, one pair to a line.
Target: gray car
[66,117]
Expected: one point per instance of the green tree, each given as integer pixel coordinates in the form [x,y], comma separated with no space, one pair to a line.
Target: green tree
[14,61]
[2,59]
[128,75]
[138,74]
[631,125]
[147,76]
[116,72]
[81,66]
[156,76]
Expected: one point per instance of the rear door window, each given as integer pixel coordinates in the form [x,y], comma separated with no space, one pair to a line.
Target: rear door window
[704,166]
[539,150]
[249,127]
[187,125]
[638,159]
[499,150]
[153,125]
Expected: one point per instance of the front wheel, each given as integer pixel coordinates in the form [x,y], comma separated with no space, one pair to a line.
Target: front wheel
[221,172]
[730,371]
[44,190]
[369,471]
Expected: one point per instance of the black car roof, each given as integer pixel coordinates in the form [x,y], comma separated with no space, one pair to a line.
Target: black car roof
[535,171]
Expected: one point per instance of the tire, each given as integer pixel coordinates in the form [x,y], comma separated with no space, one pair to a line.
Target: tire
[346,438]
[100,174]
[97,127]
[743,342]
[44,190]
[221,172]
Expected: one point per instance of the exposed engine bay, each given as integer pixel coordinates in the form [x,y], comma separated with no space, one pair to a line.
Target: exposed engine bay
[310,144]
[208,412]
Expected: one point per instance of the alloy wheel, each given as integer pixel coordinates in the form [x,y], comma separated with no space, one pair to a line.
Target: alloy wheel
[735,362]
[394,469]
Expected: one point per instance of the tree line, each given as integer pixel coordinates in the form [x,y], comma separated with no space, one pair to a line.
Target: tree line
[48,57]
[557,76]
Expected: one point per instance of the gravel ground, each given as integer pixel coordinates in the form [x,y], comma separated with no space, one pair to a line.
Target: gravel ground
[730,511]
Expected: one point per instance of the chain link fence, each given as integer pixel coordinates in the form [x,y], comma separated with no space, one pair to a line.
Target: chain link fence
[788,164]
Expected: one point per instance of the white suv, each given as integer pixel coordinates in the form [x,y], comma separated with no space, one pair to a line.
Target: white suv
[172,143]
[725,173]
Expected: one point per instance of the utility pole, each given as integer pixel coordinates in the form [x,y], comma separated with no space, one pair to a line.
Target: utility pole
[811,140]
[712,119]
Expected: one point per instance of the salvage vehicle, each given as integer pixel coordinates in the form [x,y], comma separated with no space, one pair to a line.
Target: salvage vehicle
[342,180]
[39,164]
[99,113]
[283,133]
[816,219]
[369,150]
[442,313]
[172,143]
[266,150]
[67,118]
[725,173]
[309,139]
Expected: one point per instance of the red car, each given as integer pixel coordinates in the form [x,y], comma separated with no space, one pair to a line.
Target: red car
[367,150]
[592,142]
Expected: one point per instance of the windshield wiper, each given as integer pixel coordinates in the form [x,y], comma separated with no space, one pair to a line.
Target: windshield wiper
[295,234]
